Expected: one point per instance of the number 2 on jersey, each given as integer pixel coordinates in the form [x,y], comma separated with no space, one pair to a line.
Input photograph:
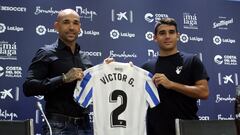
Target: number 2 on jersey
[114,120]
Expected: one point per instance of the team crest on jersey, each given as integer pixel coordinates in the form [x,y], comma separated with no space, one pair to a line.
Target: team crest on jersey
[179,69]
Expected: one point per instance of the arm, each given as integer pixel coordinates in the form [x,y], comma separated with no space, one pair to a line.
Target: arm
[37,81]
[40,81]
[199,90]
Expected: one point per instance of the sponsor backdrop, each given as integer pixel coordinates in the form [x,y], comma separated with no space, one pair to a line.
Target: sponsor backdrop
[121,29]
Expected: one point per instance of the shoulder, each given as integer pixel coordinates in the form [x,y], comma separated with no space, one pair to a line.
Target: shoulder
[49,48]
[150,65]
[150,62]
[189,57]
[141,71]
[44,52]
[85,59]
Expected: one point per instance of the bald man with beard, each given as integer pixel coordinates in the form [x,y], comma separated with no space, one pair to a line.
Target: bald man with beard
[53,73]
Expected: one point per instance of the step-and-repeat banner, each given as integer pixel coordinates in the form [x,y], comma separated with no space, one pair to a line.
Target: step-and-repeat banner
[122,29]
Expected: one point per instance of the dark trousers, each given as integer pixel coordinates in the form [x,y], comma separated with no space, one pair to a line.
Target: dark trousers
[64,125]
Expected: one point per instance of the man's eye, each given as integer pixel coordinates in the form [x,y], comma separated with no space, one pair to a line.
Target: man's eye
[76,23]
[65,22]
[161,33]
[172,32]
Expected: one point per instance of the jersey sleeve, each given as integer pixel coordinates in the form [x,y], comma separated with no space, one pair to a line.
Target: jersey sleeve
[151,92]
[84,89]
[199,71]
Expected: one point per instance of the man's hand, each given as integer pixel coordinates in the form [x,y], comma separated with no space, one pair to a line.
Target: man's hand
[159,78]
[108,60]
[72,75]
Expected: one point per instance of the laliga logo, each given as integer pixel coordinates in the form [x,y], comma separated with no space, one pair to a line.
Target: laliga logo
[184,38]
[217,40]
[148,17]
[1,71]
[114,34]
[218,59]
[149,36]
[80,33]
[2,27]
[41,30]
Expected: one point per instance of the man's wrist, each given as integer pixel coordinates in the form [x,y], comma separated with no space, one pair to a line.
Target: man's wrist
[64,78]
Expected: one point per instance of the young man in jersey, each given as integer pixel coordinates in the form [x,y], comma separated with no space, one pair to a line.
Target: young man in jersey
[181,79]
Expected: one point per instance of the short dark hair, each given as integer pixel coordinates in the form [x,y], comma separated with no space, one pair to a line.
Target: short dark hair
[167,21]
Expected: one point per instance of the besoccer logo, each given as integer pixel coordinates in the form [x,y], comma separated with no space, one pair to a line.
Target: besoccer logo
[114,34]
[149,36]
[80,33]
[41,30]
[184,38]
[217,40]
[2,27]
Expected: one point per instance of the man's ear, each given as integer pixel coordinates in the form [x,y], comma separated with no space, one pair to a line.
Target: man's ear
[56,26]
[155,38]
[178,36]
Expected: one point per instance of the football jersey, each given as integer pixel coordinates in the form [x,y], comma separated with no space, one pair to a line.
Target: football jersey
[121,94]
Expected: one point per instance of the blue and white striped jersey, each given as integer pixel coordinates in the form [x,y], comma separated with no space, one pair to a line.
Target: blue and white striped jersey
[121,94]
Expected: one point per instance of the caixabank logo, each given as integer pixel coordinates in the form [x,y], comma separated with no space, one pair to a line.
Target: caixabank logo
[10,93]
[228,79]
[122,16]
